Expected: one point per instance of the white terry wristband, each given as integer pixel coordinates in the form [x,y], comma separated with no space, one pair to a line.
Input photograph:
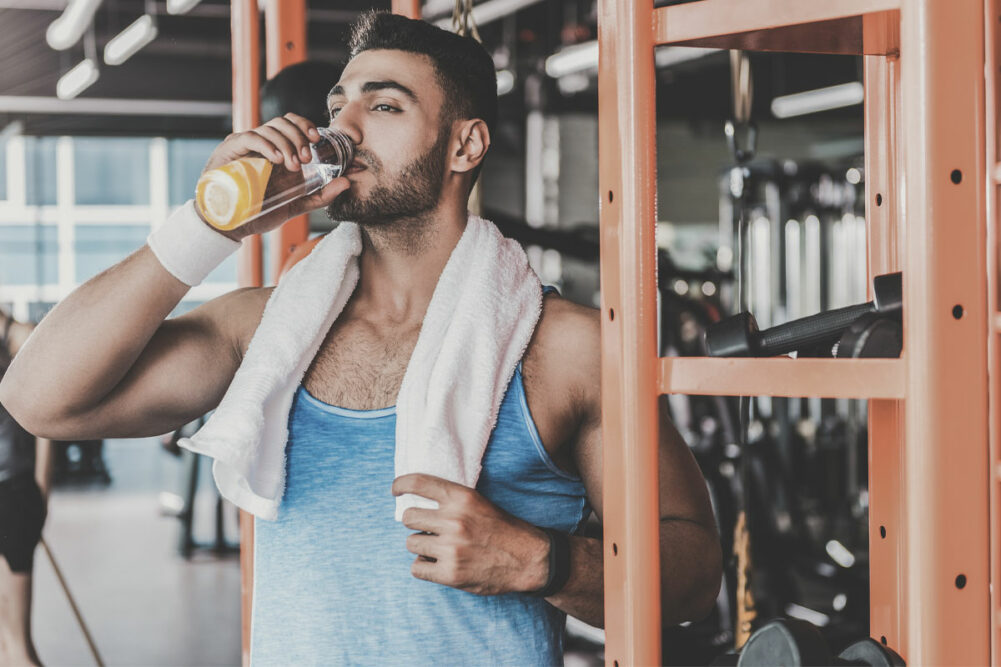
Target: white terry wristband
[187,247]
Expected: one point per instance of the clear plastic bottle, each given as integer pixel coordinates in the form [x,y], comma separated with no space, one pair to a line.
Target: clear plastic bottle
[245,189]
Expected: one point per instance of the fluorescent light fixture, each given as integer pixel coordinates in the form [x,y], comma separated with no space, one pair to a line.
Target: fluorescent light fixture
[573,59]
[584,57]
[665,56]
[102,106]
[484,13]
[180,6]
[505,82]
[821,99]
[67,30]
[125,44]
[77,80]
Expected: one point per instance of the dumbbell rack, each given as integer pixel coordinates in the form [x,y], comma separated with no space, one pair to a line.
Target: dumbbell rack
[932,180]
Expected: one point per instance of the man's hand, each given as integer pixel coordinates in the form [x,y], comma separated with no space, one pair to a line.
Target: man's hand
[469,543]
[283,141]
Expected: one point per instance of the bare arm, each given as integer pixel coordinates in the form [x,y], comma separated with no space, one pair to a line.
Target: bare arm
[105,363]
[690,554]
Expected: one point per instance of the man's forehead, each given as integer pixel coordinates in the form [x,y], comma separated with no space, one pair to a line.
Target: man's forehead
[410,70]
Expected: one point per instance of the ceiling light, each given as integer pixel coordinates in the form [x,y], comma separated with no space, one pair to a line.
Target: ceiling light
[573,59]
[67,30]
[484,13]
[584,57]
[180,6]
[821,99]
[77,80]
[124,45]
[505,82]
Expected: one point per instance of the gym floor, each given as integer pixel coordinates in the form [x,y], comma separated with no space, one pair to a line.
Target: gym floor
[143,603]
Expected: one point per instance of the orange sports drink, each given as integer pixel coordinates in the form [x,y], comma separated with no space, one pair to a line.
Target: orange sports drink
[245,189]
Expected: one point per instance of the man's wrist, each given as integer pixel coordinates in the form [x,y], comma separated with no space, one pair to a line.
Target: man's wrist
[536,570]
[188,248]
[557,566]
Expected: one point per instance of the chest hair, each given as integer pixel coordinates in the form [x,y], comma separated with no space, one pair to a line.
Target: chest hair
[359,368]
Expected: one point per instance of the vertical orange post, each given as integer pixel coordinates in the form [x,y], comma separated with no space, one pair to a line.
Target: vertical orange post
[627,155]
[245,27]
[409,8]
[888,608]
[992,51]
[945,492]
[285,38]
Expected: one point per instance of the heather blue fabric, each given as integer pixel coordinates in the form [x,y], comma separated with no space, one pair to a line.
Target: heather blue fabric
[332,582]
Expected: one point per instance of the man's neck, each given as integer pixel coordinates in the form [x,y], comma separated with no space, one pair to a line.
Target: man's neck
[400,264]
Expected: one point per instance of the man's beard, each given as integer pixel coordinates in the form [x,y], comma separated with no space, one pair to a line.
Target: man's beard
[412,194]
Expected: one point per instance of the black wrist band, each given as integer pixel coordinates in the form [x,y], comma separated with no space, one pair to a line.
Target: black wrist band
[559,563]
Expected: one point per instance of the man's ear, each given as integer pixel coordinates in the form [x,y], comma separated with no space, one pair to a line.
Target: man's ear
[473,141]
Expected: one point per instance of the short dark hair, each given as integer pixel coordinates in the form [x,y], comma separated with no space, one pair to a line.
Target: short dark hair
[463,68]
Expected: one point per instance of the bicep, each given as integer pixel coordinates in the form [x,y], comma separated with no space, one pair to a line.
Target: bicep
[182,373]
[683,493]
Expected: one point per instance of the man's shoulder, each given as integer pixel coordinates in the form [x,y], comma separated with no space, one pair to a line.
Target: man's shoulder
[565,352]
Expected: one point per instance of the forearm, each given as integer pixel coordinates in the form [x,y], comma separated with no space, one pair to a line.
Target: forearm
[690,570]
[86,344]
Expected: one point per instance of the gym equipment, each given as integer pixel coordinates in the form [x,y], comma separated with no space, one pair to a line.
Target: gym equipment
[795,643]
[739,336]
[785,642]
[869,652]
[871,336]
[294,90]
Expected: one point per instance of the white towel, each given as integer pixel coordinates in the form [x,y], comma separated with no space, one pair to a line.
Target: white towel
[476,329]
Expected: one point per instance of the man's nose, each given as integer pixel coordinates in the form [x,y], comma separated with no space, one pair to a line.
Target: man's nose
[347,121]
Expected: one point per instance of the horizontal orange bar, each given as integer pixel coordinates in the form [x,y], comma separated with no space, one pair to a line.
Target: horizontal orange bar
[712,18]
[782,376]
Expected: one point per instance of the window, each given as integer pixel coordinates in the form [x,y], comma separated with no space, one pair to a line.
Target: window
[101,246]
[185,160]
[40,171]
[3,169]
[29,255]
[111,170]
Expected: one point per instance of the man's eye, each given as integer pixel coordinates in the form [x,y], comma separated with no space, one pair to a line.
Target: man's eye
[333,112]
[384,107]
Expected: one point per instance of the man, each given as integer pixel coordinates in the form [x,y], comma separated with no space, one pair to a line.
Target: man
[335,581]
[24,475]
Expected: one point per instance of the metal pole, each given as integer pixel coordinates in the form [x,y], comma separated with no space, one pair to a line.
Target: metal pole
[946,462]
[246,115]
[285,38]
[627,151]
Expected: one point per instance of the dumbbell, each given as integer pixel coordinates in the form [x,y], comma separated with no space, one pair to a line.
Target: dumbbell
[739,336]
[795,643]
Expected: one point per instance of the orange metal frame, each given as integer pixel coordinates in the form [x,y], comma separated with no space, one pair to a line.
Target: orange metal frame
[932,102]
[932,178]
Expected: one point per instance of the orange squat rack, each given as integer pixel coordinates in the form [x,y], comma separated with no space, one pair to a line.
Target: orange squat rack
[932,178]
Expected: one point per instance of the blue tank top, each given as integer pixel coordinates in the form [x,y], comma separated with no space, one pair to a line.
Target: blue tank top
[332,581]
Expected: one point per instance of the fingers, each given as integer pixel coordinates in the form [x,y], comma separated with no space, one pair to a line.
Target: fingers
[426,486]
[305,126]
[429,521]
[424,545]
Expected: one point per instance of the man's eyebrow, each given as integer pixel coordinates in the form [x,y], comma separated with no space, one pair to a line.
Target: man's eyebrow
[372,86]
